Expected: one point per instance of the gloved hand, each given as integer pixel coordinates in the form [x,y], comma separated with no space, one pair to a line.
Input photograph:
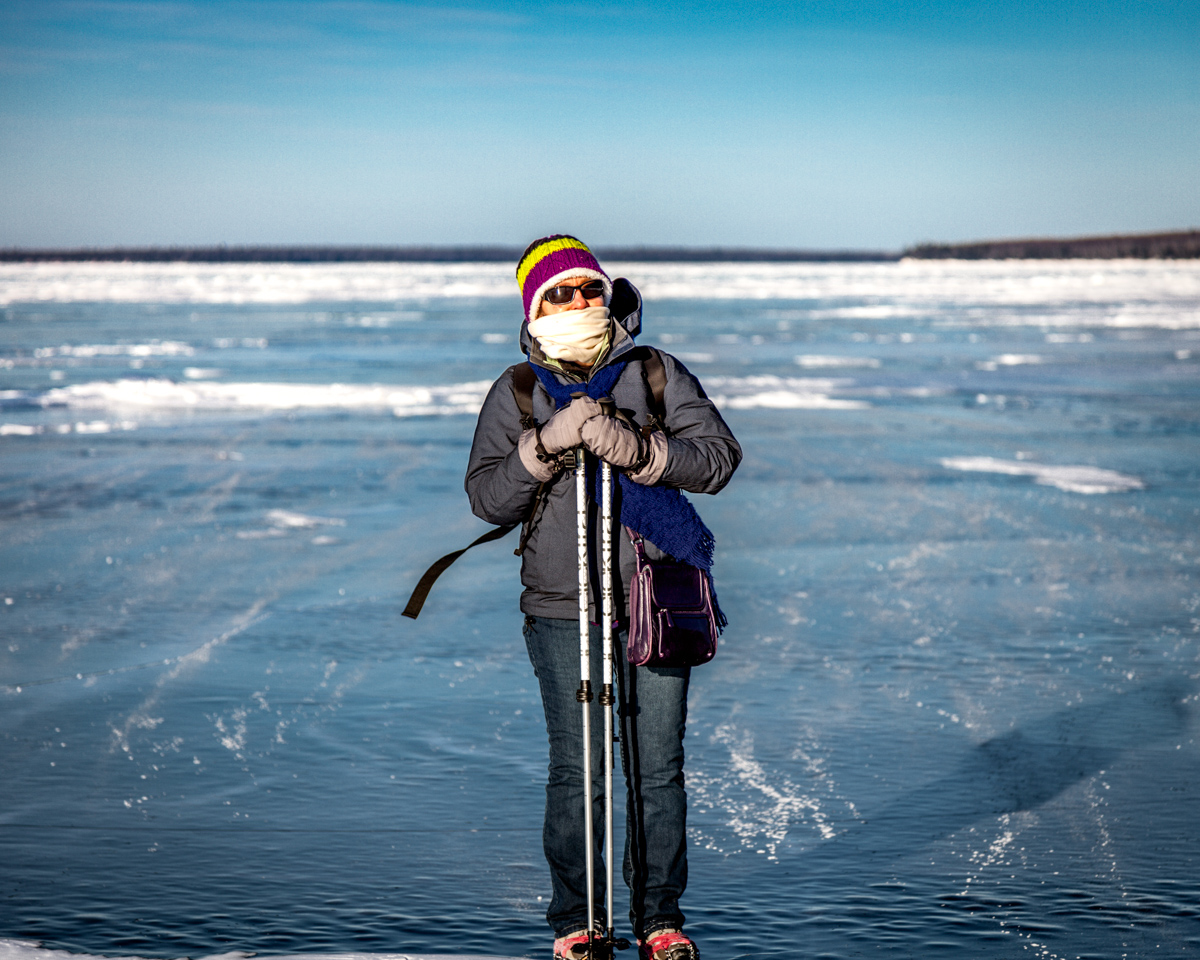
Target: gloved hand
[613,440]
[656,466]
[562,431]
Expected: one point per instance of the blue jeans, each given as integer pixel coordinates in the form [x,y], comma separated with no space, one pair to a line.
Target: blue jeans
[652,709]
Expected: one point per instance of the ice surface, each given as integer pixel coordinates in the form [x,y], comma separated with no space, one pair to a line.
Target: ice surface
[1107,293]
[32,950]
[955,712]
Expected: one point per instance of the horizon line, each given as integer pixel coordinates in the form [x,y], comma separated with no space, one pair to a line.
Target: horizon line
[428,253]
[1179,244]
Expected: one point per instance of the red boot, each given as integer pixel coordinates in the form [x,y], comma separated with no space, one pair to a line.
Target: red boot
[571,947]
[668,945]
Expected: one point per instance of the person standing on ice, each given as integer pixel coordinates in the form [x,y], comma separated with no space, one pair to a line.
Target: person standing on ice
[578,334]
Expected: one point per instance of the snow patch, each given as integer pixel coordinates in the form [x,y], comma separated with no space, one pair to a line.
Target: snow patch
[250,282]
[1100,293]
[154,348]
[284,520]
[780,393]
[1010,360]
[809,360]
[1072,479]
[169,396]
[166,397]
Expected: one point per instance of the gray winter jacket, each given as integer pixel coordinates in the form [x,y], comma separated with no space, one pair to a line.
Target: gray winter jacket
[702,455]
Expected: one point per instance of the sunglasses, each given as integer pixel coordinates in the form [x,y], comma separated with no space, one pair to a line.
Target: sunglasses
[565,294]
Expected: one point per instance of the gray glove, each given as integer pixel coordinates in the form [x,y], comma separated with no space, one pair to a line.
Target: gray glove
[613,440]
[656,466]
[562,431]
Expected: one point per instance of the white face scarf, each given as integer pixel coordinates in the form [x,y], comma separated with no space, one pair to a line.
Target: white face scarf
[575,335]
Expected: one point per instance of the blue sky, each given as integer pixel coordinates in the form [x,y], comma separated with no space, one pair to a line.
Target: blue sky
[804,124]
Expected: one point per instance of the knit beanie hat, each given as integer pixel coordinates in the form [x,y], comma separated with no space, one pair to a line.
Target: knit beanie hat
[547,262]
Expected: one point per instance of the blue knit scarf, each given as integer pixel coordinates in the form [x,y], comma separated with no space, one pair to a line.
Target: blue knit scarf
[662,515]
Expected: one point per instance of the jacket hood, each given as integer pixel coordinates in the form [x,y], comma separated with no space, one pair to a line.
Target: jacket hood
[626,308]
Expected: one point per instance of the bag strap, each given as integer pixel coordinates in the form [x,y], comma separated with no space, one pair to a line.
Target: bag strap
[639,549]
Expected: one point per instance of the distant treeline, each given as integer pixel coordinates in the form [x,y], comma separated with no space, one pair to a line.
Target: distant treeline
[1146,246]
[330,254]
[741,255]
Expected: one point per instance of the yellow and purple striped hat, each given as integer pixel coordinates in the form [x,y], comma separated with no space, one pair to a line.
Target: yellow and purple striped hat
[547,262]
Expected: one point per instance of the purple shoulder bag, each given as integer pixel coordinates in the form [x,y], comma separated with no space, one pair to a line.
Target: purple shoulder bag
[672,620]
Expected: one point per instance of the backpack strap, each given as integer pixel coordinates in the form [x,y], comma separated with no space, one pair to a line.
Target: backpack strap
[656,379]
[523,380]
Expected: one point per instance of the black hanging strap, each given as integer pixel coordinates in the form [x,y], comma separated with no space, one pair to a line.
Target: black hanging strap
[523,379]
[425,584]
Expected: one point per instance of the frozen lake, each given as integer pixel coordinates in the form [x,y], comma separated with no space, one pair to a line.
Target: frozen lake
[955,712]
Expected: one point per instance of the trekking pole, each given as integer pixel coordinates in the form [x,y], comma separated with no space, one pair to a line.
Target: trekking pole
[599,948]
[584,694]
[606,690]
